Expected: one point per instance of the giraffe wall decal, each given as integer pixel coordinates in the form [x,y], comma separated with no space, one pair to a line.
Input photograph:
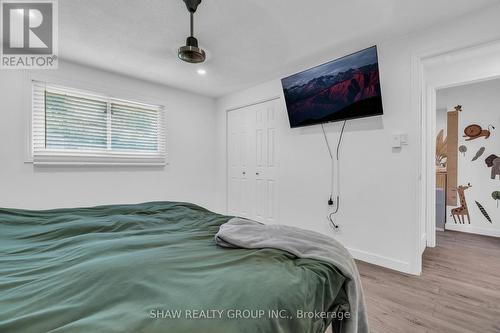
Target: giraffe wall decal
[462,211]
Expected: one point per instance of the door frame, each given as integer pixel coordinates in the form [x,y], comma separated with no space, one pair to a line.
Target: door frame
[424,91]
[237,108]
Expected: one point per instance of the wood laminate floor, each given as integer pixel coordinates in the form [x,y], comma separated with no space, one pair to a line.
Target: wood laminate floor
[458,291]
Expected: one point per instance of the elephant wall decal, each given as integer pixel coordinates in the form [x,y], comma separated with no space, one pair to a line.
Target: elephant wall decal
[493,162]
[495,169]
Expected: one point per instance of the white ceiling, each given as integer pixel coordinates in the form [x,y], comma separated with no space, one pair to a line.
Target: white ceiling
[247,41]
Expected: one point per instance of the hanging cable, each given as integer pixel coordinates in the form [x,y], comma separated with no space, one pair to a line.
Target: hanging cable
[340,138]
[337,156]
[330,201]
[327,143]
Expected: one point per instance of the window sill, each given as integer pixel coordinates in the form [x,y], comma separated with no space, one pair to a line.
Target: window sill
[86,159]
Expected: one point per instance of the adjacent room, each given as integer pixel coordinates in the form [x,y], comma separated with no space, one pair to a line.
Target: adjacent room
[466,171]
[292,166]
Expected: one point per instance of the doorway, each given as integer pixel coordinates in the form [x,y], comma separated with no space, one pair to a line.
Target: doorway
[467,119]
[433,73]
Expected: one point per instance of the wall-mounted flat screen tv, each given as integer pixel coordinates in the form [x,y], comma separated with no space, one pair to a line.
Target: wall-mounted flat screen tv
[341,89]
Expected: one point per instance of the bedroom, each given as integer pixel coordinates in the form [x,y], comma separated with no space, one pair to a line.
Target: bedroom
[123,55]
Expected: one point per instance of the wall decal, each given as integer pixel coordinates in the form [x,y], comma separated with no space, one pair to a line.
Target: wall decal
[496,196]
[489,160]
[493,162]
[483,211]
[452,120]
[462,211]
[495,169]
[474,131]
[462,149]
[441,149]
[479,153]
[458,108]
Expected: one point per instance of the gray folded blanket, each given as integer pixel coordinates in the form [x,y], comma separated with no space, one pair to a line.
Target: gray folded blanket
[241,233]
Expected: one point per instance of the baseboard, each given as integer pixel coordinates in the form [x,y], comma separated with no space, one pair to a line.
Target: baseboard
[378,260]
[423,242]
[472,229]
[439,229]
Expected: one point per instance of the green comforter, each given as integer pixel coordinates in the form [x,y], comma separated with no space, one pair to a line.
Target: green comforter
[134,268]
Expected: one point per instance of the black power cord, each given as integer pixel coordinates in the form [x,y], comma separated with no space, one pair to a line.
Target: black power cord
[331,216]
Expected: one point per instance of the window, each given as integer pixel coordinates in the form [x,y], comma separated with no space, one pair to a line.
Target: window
[75,127]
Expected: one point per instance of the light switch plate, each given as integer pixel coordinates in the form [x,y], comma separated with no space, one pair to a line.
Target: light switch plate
[396,141]
[404,139]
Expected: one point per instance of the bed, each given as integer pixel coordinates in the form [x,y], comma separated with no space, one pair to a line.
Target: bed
[152,267]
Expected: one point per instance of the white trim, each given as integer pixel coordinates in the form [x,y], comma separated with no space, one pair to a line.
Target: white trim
[472,229]
[261,101]
[63,90]
[104,163]
[423,243]
[53,157]
[375,259]
[55,78]
[430,124]
[226,162]
[27,108]
[416,101]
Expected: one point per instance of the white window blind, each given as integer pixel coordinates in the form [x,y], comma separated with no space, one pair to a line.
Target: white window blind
[75,127]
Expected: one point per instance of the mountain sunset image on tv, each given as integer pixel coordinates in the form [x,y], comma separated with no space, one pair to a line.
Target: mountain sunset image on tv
[344,88]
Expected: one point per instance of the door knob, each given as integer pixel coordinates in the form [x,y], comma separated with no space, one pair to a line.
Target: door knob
[257,173]
[244,173]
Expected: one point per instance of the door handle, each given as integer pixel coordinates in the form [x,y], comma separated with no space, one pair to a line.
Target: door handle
[257,173]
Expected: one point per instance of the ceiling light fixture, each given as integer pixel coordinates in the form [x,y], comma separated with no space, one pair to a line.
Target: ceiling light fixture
[191,52]
[201,71]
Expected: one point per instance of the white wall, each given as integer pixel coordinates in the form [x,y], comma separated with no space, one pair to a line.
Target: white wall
[481,104]
[379,185]
[190,146]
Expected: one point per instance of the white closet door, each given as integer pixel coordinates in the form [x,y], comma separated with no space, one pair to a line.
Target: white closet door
[266,162]
[241,164]
[253,162]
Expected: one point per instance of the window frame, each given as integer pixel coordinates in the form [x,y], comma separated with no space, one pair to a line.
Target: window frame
[80,157]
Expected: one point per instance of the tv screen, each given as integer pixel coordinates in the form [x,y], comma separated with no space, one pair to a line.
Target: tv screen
[341,89]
